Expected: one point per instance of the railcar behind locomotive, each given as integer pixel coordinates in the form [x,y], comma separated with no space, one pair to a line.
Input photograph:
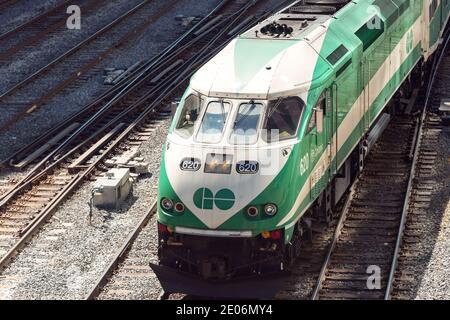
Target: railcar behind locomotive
[270,131]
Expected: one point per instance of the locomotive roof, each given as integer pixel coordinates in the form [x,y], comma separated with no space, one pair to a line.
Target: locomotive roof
[264,63]
[285,53]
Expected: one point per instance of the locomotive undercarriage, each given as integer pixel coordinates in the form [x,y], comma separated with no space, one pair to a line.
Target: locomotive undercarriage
[220,258]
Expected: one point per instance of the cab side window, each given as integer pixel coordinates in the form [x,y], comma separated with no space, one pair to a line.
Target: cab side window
[320,105]
[283,118]
[189,115]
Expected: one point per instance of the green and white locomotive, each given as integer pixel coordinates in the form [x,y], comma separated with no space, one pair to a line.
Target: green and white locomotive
[271,131]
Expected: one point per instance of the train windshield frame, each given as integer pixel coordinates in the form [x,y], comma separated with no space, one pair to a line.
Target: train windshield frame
[213,123]
[190,115]
[282,119]
[247,123]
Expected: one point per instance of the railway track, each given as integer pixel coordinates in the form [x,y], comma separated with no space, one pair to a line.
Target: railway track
[372,226]
[31,33]
[366,232]
[410,252]
[74,67]
[128,271]
[121,124]
[125,268]
[4,4]
[405,276]
[365,238]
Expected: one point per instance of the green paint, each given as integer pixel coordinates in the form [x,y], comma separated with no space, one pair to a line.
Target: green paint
[253,55]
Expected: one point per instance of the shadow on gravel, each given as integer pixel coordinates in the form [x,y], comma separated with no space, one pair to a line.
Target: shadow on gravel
[100,217]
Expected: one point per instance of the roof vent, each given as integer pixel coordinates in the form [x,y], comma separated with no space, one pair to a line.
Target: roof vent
[313,9]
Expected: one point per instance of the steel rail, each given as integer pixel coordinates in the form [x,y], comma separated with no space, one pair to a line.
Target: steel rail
[337,233]
[31,176]
[74,49]
[42,30]
[38,221]
[59,87]
[95,291]
[75,182]
[120,255]
[417,146]
[26,24]
[121,88]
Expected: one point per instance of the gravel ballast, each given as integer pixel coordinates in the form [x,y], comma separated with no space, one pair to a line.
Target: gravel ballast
[434,274]
[23,11]
[151,42]
[32,59]
[68,255]
[65,259]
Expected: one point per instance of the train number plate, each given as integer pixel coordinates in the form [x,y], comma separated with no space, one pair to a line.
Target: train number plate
[247,167]
[190,164]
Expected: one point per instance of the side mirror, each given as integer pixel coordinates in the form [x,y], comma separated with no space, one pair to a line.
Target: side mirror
[319,120]
[173,109]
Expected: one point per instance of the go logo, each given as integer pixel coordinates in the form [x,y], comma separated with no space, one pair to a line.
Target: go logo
[204,198]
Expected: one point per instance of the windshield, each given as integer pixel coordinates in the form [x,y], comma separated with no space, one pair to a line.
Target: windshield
[246,123]
[283,117]
[189,115]
[213,122]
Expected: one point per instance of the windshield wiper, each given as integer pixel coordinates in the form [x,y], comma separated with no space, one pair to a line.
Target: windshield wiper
[275,107]
[245,115]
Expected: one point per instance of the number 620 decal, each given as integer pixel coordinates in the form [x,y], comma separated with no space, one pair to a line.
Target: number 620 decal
[190,164]
[247,167]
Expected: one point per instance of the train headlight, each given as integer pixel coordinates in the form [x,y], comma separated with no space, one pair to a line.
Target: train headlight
[167,204]
[252,211]
[270,209]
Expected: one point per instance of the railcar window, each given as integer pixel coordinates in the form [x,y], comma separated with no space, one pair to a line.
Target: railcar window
[189,115]
[312,122]
[283,117]
[433,7]
[320,105]
[213,122]
[246,123]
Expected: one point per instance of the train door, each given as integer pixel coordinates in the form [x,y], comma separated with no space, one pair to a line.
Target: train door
[333,125]
[317,146]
